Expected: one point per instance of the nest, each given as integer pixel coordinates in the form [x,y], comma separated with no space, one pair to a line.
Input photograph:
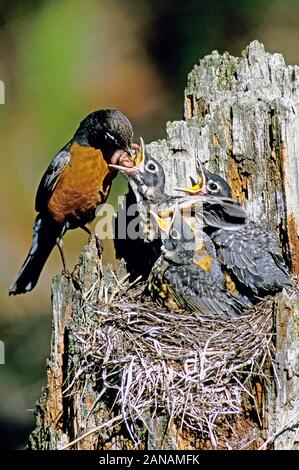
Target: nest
[194,368]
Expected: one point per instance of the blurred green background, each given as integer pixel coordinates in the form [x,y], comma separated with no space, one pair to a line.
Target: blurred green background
[59,61]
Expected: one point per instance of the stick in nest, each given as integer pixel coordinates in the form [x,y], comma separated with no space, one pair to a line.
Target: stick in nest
[192,366]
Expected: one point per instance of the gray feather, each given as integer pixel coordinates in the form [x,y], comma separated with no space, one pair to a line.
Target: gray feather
[51,177]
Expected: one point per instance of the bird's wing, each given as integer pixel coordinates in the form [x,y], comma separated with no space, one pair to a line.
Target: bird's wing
[275,252]
[51,177]
[253,255]
[210,210]
[223,213]
[196,292]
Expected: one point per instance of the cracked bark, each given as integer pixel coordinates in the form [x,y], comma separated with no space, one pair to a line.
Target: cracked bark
[242,117]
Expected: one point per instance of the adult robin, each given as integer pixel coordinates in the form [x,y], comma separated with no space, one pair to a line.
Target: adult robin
[250,253]
[76,182]
[187,275]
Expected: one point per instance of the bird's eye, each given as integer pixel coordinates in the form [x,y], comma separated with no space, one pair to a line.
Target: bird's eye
[110,137]
[175,234]
[213,187]
[152,167]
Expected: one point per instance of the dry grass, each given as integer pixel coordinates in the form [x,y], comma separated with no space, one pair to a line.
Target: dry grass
[194,367]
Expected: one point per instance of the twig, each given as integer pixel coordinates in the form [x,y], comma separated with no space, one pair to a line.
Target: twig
[92,431]
[286,427]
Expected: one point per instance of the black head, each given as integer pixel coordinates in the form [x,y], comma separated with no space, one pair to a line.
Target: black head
[106,128]
[152,175]
[216,185]
[180,238]
[209,184]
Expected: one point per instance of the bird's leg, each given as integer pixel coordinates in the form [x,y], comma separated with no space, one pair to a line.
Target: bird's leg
[59,243]
[99,243]
[86,230]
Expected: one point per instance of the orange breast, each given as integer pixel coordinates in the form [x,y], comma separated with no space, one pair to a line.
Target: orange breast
[82,186]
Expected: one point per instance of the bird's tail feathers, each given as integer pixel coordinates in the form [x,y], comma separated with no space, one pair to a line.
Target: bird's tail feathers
[45,236]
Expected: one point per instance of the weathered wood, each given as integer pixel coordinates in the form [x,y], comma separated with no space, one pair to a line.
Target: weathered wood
[55,420]
[241,116]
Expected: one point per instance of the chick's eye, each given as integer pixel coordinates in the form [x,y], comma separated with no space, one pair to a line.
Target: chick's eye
[213,187]
[151,167]
[175,234]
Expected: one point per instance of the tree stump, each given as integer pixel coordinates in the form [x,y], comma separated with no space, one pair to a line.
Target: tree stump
[241,117]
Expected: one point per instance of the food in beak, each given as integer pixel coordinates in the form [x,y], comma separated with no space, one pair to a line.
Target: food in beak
[127,165]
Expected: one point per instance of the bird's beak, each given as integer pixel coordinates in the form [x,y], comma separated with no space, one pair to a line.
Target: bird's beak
[196,189]
[166,219]
[138,160]
[164,223]
[199,188]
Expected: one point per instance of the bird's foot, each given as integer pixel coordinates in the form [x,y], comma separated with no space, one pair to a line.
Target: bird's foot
[66,273]
[99,242]
[99,245]
[75,276]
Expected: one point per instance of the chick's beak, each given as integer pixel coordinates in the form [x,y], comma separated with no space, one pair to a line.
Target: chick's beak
[164,223]
[199,188]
